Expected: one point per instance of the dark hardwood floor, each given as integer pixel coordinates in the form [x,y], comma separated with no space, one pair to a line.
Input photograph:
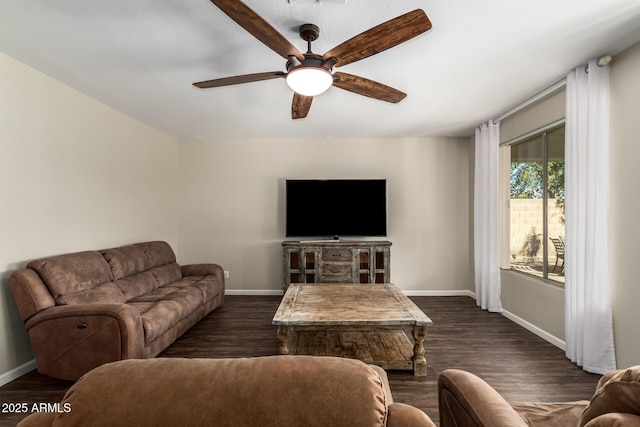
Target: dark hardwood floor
[520,365]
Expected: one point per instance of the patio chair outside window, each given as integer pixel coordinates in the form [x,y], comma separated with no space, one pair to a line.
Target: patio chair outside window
[558,243]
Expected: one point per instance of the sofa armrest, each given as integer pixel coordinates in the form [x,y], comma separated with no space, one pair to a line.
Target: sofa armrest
[615,419]
[465,400]
[30,293]
[402,415]
[70,340]
[203,270]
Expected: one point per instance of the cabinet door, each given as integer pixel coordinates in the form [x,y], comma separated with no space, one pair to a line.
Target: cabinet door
[381,265]
[311,268]
[300,265]
[364,265]
[373,265]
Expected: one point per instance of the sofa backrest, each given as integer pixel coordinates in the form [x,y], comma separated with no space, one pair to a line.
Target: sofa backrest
[142,267]
[106,276]
[133,259]
[72,273]
[264,391]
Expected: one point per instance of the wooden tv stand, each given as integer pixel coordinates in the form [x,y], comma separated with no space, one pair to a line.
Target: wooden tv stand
[336,261]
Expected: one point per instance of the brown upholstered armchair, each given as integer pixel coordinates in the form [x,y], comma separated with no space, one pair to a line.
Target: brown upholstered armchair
[271,391]
[465,400]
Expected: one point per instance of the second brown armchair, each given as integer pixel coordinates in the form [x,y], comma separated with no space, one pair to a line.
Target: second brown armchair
[466,400]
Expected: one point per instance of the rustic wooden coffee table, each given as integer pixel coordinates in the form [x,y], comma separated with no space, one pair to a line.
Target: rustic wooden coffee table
[360,321]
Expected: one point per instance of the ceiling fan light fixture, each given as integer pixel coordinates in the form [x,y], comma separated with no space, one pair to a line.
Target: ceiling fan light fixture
[309,81]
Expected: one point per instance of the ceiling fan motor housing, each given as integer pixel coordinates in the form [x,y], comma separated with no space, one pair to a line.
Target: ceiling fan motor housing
[310,60]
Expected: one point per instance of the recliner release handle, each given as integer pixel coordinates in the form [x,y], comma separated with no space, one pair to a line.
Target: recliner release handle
[81,325]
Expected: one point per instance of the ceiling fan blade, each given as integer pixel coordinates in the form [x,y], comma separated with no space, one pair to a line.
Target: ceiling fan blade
[258,27]
[367,87]
[380,38]
[300,106]
[235,80]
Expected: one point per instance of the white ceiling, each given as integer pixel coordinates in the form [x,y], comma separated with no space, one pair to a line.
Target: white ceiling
[479,59]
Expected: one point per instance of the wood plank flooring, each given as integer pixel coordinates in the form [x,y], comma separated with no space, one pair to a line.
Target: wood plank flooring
[520,365]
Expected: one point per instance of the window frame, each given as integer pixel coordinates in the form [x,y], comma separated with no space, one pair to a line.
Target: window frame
[504,175]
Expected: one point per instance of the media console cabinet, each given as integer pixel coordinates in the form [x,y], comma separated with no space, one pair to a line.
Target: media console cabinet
[336,261]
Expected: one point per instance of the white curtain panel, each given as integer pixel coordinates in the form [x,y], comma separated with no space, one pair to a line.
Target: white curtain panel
[485,218]
[588,312]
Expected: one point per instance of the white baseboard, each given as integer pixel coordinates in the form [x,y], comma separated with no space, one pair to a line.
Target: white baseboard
[410,293]
[458,293]
[552,339]
[7,377]
[253,292]
[536,330]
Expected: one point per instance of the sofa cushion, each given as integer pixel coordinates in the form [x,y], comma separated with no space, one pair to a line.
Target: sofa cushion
[72,273]
[107,293]
[158,319]
[167,274]
[157,253]
[164,307]
[142,306]
[186,282]
[186,299]
[544,414]
[159,294]
[617,391]
[137,285]
[126,260]
[210,287]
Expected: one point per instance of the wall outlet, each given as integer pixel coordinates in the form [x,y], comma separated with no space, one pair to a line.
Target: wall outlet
[226,274]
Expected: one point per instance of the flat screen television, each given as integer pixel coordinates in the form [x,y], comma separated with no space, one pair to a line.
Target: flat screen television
[336,207]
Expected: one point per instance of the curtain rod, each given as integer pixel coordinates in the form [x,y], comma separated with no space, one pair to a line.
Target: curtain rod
[602,61]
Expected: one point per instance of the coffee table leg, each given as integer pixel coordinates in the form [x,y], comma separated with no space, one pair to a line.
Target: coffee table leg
[419,361]
[283,336]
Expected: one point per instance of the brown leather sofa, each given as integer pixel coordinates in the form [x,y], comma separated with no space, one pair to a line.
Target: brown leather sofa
[465,400]
[84,309]
[274,391]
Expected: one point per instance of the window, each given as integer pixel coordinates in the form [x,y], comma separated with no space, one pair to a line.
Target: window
[536,205]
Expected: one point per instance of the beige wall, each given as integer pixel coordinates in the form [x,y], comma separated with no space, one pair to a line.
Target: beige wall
[233,204]
[74,175]
[530,299]
[625,204]
[542,305]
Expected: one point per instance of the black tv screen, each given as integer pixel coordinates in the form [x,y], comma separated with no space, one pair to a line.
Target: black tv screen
[336,207]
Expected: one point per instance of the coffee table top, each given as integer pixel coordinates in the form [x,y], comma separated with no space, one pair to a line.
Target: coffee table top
[308,304]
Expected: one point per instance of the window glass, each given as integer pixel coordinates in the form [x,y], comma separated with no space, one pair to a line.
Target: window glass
[536,205]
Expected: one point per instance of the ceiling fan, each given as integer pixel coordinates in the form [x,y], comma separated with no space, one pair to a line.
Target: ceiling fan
[310,74]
